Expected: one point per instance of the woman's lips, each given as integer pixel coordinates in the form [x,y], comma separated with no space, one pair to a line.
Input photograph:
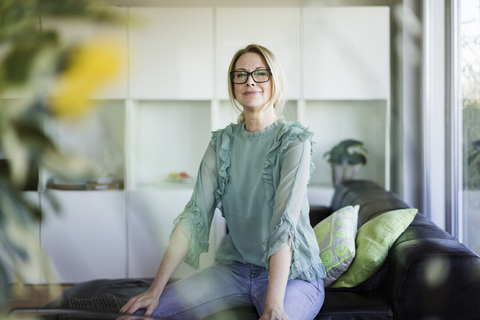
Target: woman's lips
[251,93]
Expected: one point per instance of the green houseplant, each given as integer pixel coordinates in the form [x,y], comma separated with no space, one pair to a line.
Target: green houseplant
[346,158]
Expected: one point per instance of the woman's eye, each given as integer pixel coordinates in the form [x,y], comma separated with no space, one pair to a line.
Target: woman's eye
[241,74]
[260,73]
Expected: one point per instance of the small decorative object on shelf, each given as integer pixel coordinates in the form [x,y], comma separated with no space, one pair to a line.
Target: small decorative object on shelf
[104,184]
[346,159]
[179,177]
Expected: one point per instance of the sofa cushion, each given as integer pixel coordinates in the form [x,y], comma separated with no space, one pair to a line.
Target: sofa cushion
[374,240]
[336,240]
[368,305]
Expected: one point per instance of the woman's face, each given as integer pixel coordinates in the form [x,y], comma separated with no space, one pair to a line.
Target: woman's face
[252,94]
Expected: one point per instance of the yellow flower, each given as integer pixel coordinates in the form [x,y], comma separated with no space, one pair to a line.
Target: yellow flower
[92,65]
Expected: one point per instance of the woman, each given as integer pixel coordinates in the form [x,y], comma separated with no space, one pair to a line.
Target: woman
[256,172]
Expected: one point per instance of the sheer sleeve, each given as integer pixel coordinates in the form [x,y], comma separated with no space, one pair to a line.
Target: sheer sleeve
[196,219]
[290,197]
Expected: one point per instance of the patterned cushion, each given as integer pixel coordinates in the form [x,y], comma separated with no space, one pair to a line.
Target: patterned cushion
[374,240]
[336,240]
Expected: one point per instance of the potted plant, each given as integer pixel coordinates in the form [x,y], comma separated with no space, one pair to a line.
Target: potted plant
[346,158]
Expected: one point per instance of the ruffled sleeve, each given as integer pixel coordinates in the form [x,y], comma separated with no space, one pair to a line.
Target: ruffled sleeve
[196,219]
[288,192]
[221,142]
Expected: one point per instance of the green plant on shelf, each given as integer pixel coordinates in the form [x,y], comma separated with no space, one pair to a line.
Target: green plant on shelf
[345,159]
[347,152]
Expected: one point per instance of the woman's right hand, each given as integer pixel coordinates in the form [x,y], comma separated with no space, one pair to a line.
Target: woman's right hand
[176,251]
[147,300]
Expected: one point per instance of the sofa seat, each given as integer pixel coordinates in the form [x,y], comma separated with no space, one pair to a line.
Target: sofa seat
[428,274]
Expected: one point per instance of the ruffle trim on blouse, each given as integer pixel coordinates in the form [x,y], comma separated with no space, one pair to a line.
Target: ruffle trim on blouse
[288,133]
[224,161]
[263,132]
[283,232]
[314,272]
[194,227]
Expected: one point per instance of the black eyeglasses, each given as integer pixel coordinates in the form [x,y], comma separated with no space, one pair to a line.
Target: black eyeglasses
[259,76]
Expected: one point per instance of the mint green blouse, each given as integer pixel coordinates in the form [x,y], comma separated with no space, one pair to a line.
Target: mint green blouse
[258,180]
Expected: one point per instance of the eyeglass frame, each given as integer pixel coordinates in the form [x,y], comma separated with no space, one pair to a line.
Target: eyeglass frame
[251,74]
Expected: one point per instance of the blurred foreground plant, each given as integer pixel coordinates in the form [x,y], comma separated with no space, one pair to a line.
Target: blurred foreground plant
[49,81]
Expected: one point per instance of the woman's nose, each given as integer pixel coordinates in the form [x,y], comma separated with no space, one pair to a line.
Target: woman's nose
[250,80]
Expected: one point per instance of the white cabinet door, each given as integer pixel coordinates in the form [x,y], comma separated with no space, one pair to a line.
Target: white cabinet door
[86,240]
[74,31]
[346,53]
[171,53]
[150,224]
[277,29]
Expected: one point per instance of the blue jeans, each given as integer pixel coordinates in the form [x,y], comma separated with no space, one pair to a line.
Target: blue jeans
[222,287]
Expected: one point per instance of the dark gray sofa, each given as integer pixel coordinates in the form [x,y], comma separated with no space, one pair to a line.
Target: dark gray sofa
[399,290]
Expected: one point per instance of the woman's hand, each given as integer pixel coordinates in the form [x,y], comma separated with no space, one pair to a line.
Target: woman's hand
[274,314]
[174,255]
[147,300]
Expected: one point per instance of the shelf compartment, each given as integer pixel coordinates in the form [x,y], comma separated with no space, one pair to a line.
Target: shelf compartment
[100,137]
[333,121]
[168,136]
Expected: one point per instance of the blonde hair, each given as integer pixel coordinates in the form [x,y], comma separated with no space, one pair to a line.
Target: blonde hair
[279,83]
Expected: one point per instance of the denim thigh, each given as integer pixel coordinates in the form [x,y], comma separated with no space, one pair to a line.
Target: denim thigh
[222,287]
[303,300]
[206,292]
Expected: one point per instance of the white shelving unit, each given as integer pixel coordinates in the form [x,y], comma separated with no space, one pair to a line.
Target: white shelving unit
[160,112]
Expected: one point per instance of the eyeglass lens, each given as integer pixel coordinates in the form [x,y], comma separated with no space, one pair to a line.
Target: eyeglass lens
[239,77]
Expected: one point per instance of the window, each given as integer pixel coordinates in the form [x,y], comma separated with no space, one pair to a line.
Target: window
[469,54]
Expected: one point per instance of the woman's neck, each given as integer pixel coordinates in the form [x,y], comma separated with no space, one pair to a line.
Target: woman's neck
[258,121]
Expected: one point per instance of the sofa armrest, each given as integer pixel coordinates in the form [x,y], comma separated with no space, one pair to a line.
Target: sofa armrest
[431,275]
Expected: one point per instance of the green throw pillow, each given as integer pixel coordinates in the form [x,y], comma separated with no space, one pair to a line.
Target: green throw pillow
[374,240]
[336,240]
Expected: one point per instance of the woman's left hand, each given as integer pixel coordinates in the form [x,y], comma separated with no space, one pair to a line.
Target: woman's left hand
[274,314]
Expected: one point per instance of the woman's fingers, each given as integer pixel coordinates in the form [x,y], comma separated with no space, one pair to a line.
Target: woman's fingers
[129,307]
[143,301]
[126,306]
[150,309]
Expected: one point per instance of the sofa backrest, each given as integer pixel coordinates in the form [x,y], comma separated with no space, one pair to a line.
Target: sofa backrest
[372,198]
[429,274]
